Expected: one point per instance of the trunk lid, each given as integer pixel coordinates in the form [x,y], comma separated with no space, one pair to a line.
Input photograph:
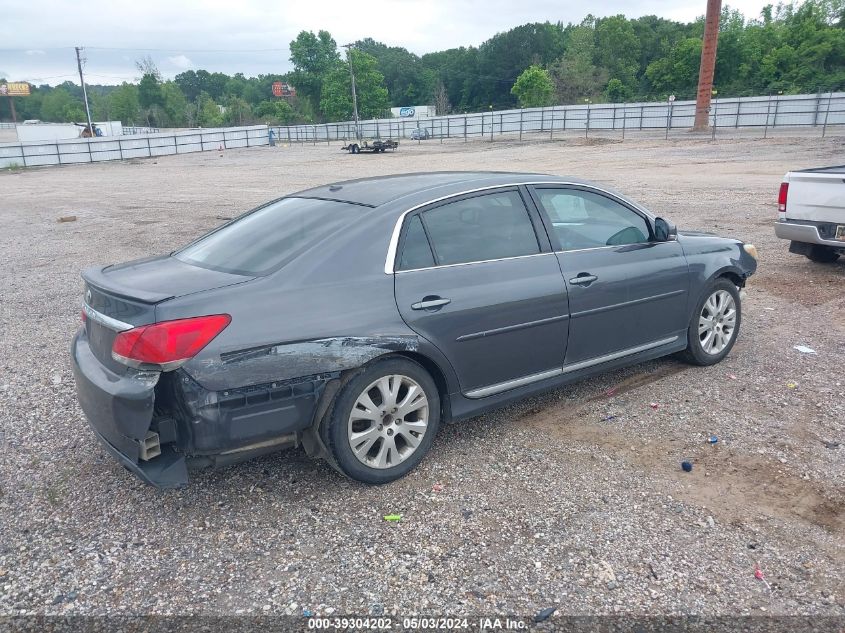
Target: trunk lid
[125,295]
[817,195]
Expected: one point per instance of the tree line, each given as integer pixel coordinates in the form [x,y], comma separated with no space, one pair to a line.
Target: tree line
[790,48]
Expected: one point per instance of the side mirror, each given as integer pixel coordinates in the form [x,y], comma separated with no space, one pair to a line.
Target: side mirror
[665,231]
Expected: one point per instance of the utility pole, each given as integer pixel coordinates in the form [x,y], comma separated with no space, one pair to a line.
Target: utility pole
[84,91]
[349,48]
[708,64]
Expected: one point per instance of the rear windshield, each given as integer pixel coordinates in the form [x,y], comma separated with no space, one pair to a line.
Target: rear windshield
[267,238]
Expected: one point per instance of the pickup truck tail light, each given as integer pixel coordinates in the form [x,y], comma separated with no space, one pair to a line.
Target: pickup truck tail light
[168,344]
[784,191]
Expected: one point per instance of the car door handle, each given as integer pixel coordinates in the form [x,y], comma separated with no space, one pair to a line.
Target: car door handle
[430,302]
[583,279]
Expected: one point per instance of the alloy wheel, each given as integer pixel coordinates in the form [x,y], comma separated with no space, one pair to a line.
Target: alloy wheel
[717,322]
[388,421]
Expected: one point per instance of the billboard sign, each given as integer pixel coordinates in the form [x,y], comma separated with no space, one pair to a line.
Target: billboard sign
[15,89]
[282,89]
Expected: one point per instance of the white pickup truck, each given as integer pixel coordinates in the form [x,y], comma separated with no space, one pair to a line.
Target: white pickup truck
[811,213]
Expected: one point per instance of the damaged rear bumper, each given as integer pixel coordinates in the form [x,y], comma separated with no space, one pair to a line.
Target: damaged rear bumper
[119,410]
[196,427]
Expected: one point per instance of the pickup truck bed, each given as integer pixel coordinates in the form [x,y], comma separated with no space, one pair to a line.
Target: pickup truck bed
[811,212]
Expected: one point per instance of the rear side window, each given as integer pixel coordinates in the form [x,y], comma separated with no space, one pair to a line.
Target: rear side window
[491,226]
[416,252]
[267,238]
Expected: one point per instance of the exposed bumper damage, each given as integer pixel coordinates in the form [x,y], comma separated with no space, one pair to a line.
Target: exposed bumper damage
[290,360]
[120,412]
[201,419]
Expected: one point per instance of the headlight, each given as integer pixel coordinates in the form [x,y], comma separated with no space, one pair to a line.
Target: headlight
[751,250]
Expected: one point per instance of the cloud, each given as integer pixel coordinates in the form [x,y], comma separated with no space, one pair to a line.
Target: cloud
[181,61]
[36,52]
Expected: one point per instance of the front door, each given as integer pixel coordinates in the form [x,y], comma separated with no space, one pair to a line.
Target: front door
[627,291]
[471,277]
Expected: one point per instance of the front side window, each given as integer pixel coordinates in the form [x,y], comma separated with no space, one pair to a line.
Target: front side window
[583,219]
[261,241]
[485,227]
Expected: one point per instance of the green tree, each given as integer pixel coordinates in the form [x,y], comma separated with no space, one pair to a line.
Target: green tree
[123,104]
[59,106]
[618,49]
[208,112]
[149,91]
[534,88]
[336,98]
[575,75]
[314,57]
[617,92]
[408,81]
[174,104]
[237,112]
[457,70]
[276,112]
[677,73]
[504,56]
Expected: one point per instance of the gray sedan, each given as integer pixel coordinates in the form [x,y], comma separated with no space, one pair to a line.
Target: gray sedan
[353,319]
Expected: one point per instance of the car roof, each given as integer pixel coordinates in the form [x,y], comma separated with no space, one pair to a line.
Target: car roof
[380,190]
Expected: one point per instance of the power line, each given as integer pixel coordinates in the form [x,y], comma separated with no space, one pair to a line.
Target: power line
[191,50]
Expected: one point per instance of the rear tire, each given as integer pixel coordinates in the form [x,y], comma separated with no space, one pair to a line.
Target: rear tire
[355,149]
[383,421]
[714,324]
[822,254]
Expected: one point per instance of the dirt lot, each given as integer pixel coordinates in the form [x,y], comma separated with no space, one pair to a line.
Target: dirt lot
[545,504]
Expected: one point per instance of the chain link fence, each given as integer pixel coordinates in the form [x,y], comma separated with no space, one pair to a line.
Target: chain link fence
[757,115]
[84,150]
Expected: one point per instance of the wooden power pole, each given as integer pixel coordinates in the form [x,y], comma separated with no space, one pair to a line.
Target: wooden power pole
[349,48]
[708,64]
[84,91]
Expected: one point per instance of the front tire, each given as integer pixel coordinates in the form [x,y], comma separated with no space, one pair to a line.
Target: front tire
[383,421]
[822,254]
[714,325]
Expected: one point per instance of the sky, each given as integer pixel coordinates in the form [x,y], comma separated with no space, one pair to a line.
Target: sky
[252,36]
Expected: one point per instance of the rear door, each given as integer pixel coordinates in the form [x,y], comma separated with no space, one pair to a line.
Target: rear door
[627,292]
[475,276]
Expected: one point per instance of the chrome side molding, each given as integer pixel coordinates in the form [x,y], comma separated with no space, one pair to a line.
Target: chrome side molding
[584,364]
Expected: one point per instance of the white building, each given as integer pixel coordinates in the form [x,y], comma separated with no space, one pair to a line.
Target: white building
[38,131]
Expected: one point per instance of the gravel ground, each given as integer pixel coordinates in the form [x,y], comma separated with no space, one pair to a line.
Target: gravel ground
[544,504]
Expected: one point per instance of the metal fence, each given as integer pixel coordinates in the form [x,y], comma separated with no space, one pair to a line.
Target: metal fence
[129,130]
[106,148]
[823,111]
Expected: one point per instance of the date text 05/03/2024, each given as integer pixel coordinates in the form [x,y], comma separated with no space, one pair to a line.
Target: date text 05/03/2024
[419,623]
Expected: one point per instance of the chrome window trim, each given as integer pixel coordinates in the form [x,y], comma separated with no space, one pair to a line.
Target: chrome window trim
[480,261]
[390,259]
[107,321]
[566,369]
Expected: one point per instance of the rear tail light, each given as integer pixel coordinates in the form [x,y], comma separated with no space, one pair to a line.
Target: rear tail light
[784,190]
[168,344]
